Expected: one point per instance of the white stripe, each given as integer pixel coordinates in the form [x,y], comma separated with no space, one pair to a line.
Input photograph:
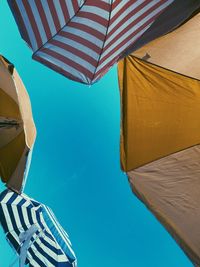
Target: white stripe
[96,10]
[39,255]
[64,66]
[121,5]
[7,197]
[32,261]
[25,214]
[122,48]
[27,25]
[91,24]
[55,244]
[7,217]
[15,236]
[92,39]
[53,217]
[123,37]
[33,214]
[80,2]
[49,252]
[77,45]
[126,12]
[48,16]
[49,240]
[133,18]
[70,8]
[38,20]
[71,56]
[58,229]
[11,243]
[16,214]
[59,12]
[65,238]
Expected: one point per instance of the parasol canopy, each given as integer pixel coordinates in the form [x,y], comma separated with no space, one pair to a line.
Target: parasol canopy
[34,232]
[160,130]
[17,129]
[83,39]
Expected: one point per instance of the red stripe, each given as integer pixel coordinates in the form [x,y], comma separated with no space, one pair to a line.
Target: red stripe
[125,7]
[75,5]
[33,23]
[117,2]
[57,68]
[104,70]
[64,10]
[131,25]
[54,15]
[103,5]
[81,40]
[68,61]
[22,26]
[94,17]
[87,29]
[44,19]
[75,51]
[121,44]
[128,16]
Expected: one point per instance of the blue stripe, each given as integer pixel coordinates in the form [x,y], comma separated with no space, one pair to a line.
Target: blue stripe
[3,194]
[30,214]
[22,202]
[32,252]
[57,238]
[57,235]
[13,242]
[49,236]
[12,199]
[13,220]
[3,220]
[45,255]
[21,217]
[52,248]
[35,203]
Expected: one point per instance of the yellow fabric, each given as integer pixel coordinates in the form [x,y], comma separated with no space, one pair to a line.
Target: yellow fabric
[25,109]
[15,140]
[160,112]
[10,156]
[8,107]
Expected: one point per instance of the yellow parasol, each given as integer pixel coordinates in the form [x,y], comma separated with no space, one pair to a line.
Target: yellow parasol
[17,129]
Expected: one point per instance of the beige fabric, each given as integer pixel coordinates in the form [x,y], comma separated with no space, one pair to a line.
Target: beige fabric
[25,109]
[9,129]
[178,51]
[18,176]
[170,188]
[17,129]
[160,112]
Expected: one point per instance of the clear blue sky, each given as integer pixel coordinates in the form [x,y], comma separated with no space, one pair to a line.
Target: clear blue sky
[76,171]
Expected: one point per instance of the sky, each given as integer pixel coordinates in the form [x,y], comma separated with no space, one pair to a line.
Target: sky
[75,167]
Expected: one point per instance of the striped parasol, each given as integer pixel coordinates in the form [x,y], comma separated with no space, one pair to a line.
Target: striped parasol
[83,39]
[17,129]
[33,231]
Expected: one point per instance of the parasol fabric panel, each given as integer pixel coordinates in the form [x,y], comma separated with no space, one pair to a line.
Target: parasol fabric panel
[17,129]
[160,131]
[83,39]
[176,14]
[160,110]
[24,219]
[178,51]
[170,188]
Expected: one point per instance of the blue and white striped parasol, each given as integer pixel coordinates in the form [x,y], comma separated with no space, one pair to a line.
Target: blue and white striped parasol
[33,231]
